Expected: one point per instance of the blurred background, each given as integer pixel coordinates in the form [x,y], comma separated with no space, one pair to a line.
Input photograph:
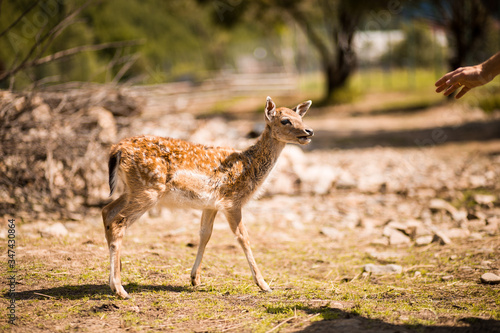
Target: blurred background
[332,51]
[77,76]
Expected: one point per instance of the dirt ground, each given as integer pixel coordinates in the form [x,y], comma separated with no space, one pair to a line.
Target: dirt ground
[398,177]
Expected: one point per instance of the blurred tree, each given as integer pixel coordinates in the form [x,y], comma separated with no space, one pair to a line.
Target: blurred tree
[418,48]
[83,40]
[467,23]
[328,24]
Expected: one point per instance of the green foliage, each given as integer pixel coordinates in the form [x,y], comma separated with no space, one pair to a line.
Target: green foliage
[176,39]
[418,49]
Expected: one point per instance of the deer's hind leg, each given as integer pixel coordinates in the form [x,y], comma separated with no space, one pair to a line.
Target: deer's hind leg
[117,216]
[206,227]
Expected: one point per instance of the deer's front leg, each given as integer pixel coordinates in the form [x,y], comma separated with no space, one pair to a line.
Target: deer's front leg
[239,229]
[206,227]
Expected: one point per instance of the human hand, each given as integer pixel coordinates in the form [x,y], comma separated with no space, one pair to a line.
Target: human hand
[468,77]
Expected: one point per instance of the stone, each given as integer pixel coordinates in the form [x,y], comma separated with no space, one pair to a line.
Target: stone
[441,238]
[383,269]
[476,236]
[458,233]
[385,255]
[346,182]
[490,278]
[384,241]
[319,179]
[106,122]
[332,233]
[439,204]
[54,230]
[423,240]
[396,237]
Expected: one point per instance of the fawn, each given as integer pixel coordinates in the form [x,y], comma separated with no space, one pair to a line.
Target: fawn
[184,174]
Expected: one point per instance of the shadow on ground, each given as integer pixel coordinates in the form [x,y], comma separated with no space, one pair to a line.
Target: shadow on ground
[91,290]
[473,131]
[344,321]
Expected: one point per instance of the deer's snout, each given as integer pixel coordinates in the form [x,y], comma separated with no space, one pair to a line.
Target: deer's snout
[309,131]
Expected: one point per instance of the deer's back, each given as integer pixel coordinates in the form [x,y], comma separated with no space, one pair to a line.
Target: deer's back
[184,173]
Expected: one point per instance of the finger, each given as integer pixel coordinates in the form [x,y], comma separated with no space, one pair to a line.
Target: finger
[445,78]
[456,78]
[451,89]
[462,92]
[441,88]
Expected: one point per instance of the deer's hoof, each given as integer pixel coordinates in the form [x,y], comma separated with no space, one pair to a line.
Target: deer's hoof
[196,281]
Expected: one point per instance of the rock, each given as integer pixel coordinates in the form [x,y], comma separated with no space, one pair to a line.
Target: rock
[439,204]
[490,278]
[42,114]
[384,241]
[332,233]
[423,240]
[492,226]
[106,121]
[477,181]
[385,255]
[54,230]
[458,233]
[485,199]
[383,269]
[396,237]
[319,179]
[476,236]
[346,182]
[426,193]
[441,238]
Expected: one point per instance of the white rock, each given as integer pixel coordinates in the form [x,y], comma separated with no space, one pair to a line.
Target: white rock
[332,233]
[383,269]
[490,278]
[458,233]
[423,240]
[484,199]
[54,230]
[441,238]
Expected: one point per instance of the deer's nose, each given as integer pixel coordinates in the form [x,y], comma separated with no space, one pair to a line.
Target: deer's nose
[309,132]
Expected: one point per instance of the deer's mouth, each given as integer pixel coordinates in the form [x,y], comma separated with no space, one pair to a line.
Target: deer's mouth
[304,139]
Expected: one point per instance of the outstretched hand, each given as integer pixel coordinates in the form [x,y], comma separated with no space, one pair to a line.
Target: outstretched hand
[466,77]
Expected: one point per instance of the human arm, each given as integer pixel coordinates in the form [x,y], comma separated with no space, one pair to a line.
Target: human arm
[469,77]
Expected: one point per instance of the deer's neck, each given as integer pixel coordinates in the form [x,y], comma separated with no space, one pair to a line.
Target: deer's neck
[262,156]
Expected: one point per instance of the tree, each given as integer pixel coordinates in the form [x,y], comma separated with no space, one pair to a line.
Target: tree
[329,25]
[466,23]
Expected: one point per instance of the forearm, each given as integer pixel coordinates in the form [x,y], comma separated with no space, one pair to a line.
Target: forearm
[491,67]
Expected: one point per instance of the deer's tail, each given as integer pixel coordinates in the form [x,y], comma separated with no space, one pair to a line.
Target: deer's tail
[113,163]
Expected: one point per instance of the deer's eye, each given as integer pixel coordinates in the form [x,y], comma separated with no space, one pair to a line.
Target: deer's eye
[285,121]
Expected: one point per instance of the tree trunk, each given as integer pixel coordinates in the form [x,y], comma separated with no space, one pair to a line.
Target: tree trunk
[339,68]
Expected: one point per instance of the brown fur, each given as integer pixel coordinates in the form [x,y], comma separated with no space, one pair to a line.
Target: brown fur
[181,173]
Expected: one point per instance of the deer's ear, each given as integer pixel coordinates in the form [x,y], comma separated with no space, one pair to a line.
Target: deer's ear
[270,109]
[302,108]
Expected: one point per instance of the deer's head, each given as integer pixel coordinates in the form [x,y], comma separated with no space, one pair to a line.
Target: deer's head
[286,124]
